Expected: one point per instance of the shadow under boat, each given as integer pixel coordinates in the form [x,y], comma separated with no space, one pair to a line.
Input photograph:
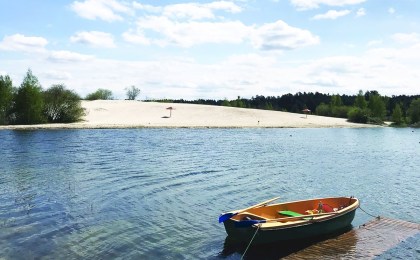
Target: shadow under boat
[281,249]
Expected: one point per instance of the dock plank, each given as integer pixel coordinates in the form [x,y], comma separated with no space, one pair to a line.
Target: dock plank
[368,241]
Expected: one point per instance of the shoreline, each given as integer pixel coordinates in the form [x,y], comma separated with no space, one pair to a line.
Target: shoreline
[129,114]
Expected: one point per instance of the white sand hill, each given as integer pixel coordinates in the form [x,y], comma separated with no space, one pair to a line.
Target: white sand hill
[133,114]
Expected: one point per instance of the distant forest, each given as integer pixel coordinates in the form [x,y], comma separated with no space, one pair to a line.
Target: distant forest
[295,103]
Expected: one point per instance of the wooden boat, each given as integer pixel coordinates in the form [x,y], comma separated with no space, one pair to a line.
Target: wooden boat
[296,220]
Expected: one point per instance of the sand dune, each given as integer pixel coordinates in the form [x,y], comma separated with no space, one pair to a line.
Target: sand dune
[136,114]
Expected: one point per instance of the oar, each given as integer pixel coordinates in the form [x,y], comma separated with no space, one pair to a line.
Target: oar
[228,215]
[248,223]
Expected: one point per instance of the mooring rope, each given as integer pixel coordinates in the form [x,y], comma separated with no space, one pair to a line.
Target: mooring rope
[378,217]
[259,225]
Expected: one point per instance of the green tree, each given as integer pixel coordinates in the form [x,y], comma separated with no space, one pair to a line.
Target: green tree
[377,106]
[360,100]
[268,106]
[132,92]
[29,102]
[239,102]
[6,99]
[397,115]
[226,103]
[336,101]
[62,105]
[103,94]
[414,111]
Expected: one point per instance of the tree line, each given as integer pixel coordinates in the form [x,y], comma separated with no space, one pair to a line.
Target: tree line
[367,107]
[30,104]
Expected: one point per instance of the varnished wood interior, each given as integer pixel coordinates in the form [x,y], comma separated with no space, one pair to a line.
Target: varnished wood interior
[272,211]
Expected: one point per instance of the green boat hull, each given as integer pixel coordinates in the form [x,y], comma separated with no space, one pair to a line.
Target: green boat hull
[307,230]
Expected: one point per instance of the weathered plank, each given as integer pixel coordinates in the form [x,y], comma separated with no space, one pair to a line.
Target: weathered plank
[366,242]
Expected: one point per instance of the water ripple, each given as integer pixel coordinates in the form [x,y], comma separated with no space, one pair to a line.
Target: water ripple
[156,193]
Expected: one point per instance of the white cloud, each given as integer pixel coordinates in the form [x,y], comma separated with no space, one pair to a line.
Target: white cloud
[68,56]
[271,36]
[313,4]
[191,11]
[388,70]
[19,42]
[187,24]
[406,38]
[331,14]
[94,38]
[252,60]
[187,34]
[56,75]
[191,24]
[136,37]
[147,8]
[36,45]
[391,71]
[281,36]
[374,43]
[391,10]
[226,6]
[361,12]
[108,10]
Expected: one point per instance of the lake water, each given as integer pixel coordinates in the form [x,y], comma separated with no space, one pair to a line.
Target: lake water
[157,193]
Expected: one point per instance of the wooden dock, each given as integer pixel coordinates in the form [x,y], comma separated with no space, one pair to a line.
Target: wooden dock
[366,242]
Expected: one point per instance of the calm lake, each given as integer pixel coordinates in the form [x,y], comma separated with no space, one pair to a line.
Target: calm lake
[157,193]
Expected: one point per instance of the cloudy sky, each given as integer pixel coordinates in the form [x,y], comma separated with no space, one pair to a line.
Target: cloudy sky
[214,49]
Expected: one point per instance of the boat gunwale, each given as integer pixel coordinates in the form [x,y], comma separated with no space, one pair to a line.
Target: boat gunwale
[300,223]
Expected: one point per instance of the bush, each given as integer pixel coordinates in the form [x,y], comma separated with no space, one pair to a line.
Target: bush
[416,125]
[103,94]
[62,105]
[340,111]
[323,110]
[375,121]
[358,115]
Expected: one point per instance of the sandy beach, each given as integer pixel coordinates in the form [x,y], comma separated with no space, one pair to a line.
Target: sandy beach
[138,114]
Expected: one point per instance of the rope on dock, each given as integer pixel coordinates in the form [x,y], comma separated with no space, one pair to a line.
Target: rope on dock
[259,225]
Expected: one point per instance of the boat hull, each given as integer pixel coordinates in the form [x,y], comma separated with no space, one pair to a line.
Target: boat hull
[307,230]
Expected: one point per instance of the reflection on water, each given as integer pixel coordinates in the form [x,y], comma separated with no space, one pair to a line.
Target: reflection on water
[407,249]
[157,193]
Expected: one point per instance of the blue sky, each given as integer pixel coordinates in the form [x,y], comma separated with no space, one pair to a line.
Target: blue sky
[214,49]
